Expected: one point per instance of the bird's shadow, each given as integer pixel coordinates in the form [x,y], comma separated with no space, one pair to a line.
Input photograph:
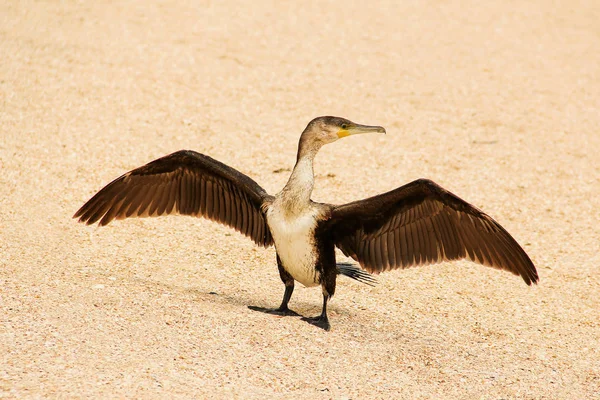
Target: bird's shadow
[212,297]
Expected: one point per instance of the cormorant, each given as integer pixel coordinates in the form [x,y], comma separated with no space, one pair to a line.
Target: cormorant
[416,224]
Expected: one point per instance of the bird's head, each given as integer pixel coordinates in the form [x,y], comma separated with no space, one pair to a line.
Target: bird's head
[325,130]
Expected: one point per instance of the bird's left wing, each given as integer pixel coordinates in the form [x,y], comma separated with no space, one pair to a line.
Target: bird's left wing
[422,223]
[187,183]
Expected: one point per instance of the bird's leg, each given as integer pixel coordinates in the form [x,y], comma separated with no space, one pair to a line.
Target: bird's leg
[283,309]
[321,321]
[287,295]
[328,287]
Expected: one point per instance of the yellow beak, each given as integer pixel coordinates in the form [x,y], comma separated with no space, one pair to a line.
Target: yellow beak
[359,129]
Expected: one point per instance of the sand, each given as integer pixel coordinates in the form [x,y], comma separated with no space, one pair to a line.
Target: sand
[496,101]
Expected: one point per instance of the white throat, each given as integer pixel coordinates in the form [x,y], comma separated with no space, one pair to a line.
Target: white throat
[295,196]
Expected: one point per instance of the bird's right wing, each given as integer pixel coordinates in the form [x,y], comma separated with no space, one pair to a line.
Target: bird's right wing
[187,183]
[422,223]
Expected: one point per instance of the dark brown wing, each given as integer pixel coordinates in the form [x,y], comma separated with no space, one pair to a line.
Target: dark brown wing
[187,183]
[422,223]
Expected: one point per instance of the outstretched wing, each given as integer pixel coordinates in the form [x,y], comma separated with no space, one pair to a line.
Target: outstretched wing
[421,223]
[187,183]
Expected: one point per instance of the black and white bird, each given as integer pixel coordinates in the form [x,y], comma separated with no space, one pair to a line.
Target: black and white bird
[416,224]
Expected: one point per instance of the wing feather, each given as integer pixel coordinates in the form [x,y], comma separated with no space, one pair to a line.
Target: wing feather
[390,250]
[245,213]
[422,223]
[186,183]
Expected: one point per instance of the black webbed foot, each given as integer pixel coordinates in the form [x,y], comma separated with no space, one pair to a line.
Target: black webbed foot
[282,312]
[320,321]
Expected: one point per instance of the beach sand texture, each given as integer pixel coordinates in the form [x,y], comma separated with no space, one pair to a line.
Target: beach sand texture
[498,101]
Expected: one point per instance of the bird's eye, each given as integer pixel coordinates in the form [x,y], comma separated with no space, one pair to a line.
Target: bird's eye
[344,126]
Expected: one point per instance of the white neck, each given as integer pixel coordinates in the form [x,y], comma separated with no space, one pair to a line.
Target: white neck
[296,193]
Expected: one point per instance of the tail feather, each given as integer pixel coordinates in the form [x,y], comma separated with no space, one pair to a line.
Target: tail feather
[354,272]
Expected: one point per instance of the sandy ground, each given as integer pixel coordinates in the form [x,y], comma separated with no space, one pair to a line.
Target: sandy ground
[498,103]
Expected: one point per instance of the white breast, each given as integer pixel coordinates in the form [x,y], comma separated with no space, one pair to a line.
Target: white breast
[294,241]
